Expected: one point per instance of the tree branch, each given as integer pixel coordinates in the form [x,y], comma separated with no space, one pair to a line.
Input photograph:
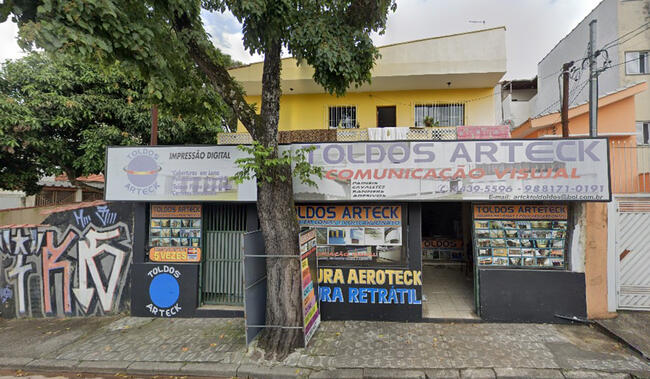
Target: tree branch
[218,76]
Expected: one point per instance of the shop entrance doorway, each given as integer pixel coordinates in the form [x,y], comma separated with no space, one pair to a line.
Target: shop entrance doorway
[447,261]
[221,281]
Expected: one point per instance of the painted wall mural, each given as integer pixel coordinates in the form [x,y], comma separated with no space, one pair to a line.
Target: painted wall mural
[76,265]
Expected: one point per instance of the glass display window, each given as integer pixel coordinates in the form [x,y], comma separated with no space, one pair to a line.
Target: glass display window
[520,235]
[358,234]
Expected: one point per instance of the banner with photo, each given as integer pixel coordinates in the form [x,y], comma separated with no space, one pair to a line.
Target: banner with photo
[175,233]
[521,235]
[354,232]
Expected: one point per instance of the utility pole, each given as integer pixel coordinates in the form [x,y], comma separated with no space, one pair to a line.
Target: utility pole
[154,125]
[565,99]
[593,81]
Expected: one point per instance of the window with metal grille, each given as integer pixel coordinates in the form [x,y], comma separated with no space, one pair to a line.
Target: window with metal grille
[440,114]
[343,117]
[636,62]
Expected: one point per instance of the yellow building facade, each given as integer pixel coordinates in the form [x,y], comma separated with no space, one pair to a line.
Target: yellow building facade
[450,79]
[311,111]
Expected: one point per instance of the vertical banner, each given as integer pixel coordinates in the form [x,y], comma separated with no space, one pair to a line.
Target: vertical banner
[308,262]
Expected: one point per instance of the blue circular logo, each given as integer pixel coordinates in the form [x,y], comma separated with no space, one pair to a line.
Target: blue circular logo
[164,290]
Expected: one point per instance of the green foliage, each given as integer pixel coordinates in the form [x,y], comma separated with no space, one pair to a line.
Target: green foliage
[167,43]
[59,114]
[264,164]
[429,121]
[333,36]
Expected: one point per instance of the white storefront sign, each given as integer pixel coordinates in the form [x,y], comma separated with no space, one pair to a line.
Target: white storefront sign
[520,170]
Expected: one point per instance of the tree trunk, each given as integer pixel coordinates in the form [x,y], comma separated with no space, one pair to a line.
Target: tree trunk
[275,208]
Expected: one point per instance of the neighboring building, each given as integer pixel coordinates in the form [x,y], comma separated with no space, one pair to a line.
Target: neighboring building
[59,190]
[449,78]
[622,30]
[630,164]
[514,101]
[56,190]
[13,199]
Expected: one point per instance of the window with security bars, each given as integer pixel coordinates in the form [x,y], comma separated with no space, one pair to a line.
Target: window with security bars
[344,117]
[440,114]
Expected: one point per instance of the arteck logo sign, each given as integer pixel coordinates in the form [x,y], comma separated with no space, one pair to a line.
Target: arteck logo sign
[142,172]
[164,291]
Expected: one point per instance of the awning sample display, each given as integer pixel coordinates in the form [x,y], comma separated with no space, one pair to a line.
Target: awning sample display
[521,235]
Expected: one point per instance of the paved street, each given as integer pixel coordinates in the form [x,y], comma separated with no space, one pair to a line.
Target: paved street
[206,347]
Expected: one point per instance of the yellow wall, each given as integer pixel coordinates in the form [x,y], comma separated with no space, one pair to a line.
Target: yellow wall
[310,111]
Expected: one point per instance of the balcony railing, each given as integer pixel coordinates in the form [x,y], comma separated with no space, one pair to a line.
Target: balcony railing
[348,135]
[630,167]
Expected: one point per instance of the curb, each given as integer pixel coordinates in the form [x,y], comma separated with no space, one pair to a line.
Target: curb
[282,372]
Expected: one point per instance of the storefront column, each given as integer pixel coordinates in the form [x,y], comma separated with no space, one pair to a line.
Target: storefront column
[596,260]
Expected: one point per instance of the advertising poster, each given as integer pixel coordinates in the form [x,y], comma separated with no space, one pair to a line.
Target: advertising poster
[175,233]
[521,211]
[521,235]
[308,264]
[370,293]
[574,169]
[175,173]
[354,232]
[483,131]
[442,249]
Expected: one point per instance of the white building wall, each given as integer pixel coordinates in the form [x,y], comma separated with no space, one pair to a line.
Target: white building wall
[574,47]
[11,199]
[517,111]
[632,14]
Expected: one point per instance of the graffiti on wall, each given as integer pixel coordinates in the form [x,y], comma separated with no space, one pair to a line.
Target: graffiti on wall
[76,266]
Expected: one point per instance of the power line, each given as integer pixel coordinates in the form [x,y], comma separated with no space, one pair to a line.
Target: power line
[575,97]
[624,62]
[606,46]
[571,92]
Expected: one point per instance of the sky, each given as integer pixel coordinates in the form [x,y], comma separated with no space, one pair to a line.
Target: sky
[533,27]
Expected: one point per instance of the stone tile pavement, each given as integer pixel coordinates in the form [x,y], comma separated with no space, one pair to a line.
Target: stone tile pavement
[633,327]
[207,347]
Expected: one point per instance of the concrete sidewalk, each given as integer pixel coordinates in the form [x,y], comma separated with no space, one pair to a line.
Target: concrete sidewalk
[632,327]
[215,347]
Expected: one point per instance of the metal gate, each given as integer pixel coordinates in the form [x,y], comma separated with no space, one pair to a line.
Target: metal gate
[633,254]
[221,271]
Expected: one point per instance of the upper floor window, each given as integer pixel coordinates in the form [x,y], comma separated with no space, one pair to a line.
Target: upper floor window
[439,114]
[636,62]
[343,117]
[643,132]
